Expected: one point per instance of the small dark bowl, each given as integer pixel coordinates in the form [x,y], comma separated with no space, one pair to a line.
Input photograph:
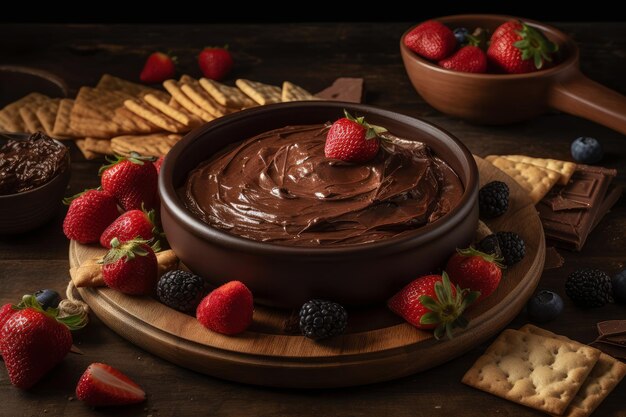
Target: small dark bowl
[26,211]
[16,82]
[287,276]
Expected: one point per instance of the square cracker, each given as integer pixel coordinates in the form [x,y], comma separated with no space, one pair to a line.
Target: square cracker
[153,115]
[174,112]
[10,118]
[536,180]
[226,95]
[47,114]
[259,92]
[62,127]
[29,118]
[292,92]
[532,370]
[109,82]
[99,146]
[174,88]
[565,168]
[153,145]
[604,377]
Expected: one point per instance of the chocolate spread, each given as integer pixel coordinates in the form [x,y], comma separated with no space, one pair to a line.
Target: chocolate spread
[27,164]
[279,187]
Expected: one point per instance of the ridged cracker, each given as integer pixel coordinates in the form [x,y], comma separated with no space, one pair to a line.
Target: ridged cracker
[28,113]
[62,128]
[536,371]
[153,115]
[292,92]
[10,115]
[80,143]
[109,82]
[536,180]
[198,95]
[226,95]
[153,145]
[603,378]
[179,114]
[100,146]
[47,114]
[259,92]
[565,168]
[174,88]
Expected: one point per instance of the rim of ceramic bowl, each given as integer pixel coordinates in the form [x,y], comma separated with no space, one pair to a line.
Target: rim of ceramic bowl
[184,218]
[54,179]
[571,59]
[41,73]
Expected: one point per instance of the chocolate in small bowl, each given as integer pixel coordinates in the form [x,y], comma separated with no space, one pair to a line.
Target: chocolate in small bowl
[288,276]
[34,174]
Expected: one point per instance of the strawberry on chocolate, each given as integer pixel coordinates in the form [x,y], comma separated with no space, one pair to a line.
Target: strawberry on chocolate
[432,302]
[432,40]
[518,48]
[352,139]
[158,68]
[90,213]
[132,180]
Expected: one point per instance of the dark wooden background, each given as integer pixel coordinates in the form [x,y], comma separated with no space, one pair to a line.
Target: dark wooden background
[311,55]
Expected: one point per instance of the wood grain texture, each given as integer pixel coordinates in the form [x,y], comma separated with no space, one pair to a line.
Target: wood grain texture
[311,55]
[265,355]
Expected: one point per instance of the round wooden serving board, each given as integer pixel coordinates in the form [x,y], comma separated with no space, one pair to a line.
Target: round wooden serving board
[377,345]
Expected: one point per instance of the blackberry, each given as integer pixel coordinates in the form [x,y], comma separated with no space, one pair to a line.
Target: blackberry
[181,290]
[512,247]
[489,244]
[320,319]
[493,199]
[589,287]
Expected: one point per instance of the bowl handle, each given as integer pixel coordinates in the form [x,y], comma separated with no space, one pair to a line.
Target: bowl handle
[580,96]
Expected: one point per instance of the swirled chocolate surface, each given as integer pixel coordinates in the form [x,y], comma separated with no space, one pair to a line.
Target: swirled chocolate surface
[278,187]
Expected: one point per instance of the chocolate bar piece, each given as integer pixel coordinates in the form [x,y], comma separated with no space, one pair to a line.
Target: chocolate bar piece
[569,225]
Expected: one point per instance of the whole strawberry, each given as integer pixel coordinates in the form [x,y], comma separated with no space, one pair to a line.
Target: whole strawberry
[130,225]
[432,40]
[227,309]
[517,48]
[352,139]
[473,269]
[132,180]
[33,342]
[158,68]
[215,63]
[102,385]
[467,59]
[130,267]
[89,214]
[432,302]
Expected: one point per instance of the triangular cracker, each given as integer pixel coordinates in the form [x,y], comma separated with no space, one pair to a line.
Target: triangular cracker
[292,92]
[536,180]
[259,92]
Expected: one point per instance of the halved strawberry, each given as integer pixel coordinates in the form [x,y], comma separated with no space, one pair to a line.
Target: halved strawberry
[103,385]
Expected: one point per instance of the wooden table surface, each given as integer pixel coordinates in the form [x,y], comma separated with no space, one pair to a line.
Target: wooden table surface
[311,55]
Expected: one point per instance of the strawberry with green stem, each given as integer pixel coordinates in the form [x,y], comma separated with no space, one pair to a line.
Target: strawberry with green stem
[352,139]
[130,225]
[131,267]
[432,302]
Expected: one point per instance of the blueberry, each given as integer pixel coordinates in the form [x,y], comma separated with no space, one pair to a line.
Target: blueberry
[48,298]
[619,287]
[587,150]
[461,34]
[544,306]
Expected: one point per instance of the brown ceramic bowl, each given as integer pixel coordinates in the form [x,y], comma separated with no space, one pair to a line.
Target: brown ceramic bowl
[16,82]
[26,211]
[289,276]
[509,98]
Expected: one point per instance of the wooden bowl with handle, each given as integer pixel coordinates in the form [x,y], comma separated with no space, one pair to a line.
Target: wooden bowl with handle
[509,98]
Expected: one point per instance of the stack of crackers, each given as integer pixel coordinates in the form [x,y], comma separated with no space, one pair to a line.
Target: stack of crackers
[571,199]
[117,116]
[551,373]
